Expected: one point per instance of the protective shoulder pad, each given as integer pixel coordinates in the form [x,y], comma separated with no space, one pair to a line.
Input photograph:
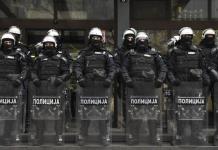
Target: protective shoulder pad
[61,57]
[153,51]
[214,51]
[175,49]
[131,52]
[64,59]
[41,56]
[19,52]
[194,48]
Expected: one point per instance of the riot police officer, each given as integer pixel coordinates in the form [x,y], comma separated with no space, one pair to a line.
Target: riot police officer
[173,41]
[185,66]
[13,71]
[128,44]
[57,36]
[145,64]
[119,85]
[94,64]
[186,36]
[210,55]
[17,34]
[51,67]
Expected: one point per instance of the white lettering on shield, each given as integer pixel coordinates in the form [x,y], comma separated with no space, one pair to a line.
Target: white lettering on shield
[8,100]
[93,101]
[192,101]
[143,101]
[46,101]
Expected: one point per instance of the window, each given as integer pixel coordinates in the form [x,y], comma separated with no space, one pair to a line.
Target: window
[189,9]
[30,9]
[149,9]
[86,9]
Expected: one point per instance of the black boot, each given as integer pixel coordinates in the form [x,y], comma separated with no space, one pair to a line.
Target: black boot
[215,138]
[131,140]
[81,140]
[59,140]
[37,140]
[105,140]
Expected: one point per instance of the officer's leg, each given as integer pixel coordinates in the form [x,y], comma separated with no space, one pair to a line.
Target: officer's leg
[181,136]
[154,137]
[40,126]
[215,103]
[216,126]
[123,98]
[59,131]
[133,128]
[9,127]
[171,120]
[27,109]
[214,97]
[84,126]
[104,134]
[197,132]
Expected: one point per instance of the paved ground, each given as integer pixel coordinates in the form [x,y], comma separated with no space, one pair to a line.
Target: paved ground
[112,147]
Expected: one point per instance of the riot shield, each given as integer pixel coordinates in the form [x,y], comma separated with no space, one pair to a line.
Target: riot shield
[169,110]
[93,113]
[190,114]
[214,96]
[143,105]
[47,104]
[10,112]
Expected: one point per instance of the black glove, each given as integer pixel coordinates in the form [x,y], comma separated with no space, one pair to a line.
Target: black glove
[158,83]
[56,81]
[206,81]
[15,79]
[16,82]
[175,82]
[36,82]
[107,83]
[129,83]
[82,82]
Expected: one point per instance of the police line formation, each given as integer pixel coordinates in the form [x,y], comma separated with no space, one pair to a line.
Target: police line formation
[33,87]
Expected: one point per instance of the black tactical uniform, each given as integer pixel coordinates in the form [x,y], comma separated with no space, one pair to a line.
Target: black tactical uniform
[52,67]
[144,64]
[210,61]
[119,84]
[94,64]
[185,65]
[13,69]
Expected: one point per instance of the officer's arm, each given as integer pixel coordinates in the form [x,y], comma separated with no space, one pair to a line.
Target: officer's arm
[110,67]
[206,69]
[170,65]
[65,70]
[79,66]
[34,71]
[117,61]
[24,67]
[125,68]
[162,68]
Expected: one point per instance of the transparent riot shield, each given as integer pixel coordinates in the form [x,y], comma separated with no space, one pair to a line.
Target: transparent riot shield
[143,105]
[214,96]
[10,112]
[190,114]
[94,114]
[47,104]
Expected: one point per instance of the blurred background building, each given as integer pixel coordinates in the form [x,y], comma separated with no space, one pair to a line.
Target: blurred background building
[73,18]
